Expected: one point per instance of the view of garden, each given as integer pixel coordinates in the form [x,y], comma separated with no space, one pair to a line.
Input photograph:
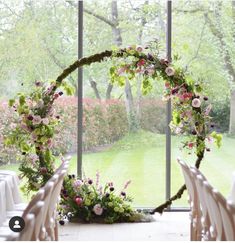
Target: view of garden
[123,130]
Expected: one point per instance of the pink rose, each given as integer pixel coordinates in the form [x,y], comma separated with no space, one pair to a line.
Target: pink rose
[97,209]
[170,71]
[196,103]
[78,201]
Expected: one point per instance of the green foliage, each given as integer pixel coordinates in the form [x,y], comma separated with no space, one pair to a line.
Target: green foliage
[218,138]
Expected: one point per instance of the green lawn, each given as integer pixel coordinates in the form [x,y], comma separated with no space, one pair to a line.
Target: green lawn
[141,158]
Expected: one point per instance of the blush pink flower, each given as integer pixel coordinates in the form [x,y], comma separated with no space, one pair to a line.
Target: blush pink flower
[121,70]
[170,71]
[45,121]
[196,103]
[37,120]
[167,85]
[190,145]
[97,209]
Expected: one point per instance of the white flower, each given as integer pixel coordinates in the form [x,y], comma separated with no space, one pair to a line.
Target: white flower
[196,103]
[45,121]
[98,210]
[170,71]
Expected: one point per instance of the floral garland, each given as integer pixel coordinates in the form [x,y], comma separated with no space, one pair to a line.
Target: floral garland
[35,130]
[87,200]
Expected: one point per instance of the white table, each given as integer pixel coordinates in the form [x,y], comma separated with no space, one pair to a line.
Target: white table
[232,193]
[9,193]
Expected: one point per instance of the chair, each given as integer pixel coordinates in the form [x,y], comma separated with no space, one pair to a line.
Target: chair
[216,229]
[196,228]
[205,219]
[26,234]
[227,211]
[51,223]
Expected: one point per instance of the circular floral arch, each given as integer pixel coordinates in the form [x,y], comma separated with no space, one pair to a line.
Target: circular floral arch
[190,109]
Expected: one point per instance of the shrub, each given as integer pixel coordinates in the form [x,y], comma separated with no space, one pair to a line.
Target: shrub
[221,114]
[104,122]
[153,115]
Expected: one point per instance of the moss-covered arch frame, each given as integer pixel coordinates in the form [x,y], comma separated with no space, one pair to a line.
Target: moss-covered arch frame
[34,133]
[190,107]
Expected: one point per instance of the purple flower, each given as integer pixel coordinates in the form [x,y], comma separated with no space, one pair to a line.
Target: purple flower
[111,188]
[30,117]
[38,83]
[90,181]
[123,194]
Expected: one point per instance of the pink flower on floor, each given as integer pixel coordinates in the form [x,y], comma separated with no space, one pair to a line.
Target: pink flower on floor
[97,209]
[78,201]
[127,184]
[170,71]
[141,62]
[196,103]
[77,183]
[139,49]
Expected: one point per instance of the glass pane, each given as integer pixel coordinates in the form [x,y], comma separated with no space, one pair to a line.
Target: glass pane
[202,36]
[37,43]
[123,131]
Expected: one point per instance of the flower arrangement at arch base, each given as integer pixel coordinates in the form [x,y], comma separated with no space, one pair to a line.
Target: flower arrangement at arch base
[86,201]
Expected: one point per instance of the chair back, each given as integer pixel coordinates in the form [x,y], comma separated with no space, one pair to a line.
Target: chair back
[227,213]
[214,211]
[27,233]
[196,228]
[37,197]
[205,220]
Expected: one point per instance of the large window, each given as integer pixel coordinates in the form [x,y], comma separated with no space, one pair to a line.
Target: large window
[123,131]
